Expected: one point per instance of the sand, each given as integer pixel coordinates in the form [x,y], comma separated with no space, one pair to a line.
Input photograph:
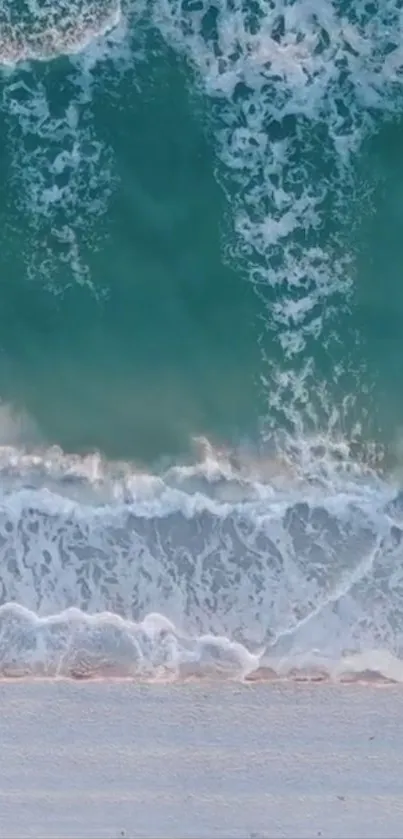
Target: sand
[200,760]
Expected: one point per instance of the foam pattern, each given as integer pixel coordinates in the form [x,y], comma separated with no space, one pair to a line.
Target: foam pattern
[160,577]
[61,172]
[296,88]
[39,30]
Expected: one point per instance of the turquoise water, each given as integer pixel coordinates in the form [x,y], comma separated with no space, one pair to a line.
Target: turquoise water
[201,336]
[153,337]
[140,216]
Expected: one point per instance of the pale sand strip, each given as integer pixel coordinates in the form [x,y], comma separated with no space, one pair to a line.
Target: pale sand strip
[198,760]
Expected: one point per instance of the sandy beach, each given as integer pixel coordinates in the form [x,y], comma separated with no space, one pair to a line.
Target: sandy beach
[200,760]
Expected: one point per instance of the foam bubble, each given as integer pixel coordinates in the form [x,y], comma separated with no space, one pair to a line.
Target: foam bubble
[38,30]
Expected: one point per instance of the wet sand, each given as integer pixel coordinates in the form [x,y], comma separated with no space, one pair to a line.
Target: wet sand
[200,760]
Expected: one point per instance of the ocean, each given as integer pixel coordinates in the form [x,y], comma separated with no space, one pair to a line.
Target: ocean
[201,338]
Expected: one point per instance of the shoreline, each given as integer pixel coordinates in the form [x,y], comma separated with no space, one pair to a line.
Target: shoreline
[268,678]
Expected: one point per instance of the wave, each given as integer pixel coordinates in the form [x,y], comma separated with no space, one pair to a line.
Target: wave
[73,644]
[204,569]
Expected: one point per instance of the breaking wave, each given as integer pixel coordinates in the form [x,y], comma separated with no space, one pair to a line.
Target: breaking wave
[227,568]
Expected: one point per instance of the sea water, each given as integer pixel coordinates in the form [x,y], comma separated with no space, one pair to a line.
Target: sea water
[201,338]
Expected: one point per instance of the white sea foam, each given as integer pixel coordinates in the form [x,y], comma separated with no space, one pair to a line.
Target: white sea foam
[74,644]
[39,30]
[208,569]
[61,172]
[297,86]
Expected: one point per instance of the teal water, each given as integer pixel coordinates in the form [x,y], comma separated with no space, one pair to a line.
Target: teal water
[160,342]
[130,320]
[200,237]
[378,300]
